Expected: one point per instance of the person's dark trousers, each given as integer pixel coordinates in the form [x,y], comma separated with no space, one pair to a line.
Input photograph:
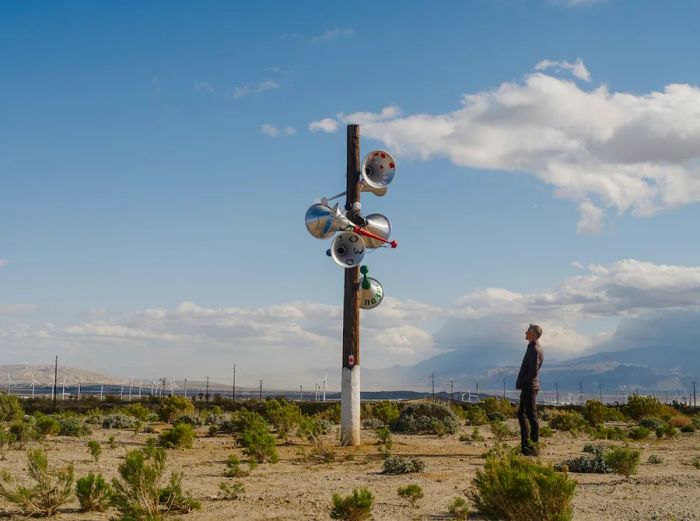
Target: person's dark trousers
[527,413]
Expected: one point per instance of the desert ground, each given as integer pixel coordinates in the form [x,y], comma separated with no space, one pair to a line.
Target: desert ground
[295,489]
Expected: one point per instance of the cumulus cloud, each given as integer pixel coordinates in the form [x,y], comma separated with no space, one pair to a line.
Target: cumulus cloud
[204,86]
[634,153]
[578,69]
[484,326]
[248,89]
[327,125]
[333,34]
[273,131]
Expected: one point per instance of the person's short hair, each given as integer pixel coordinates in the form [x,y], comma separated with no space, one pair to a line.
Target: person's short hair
[535,329]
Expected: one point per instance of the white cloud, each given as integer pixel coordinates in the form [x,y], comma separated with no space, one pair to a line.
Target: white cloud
[258,88]
[633,153]
[487,322]
[327,125]
[578,69]
[270,130]
[334,34]
[204,86]
[273,131]
[591,220]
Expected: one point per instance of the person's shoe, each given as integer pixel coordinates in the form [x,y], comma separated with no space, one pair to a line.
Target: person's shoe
[530,450]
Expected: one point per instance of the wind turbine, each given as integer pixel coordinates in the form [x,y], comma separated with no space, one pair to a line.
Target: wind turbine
[9,384]
[102,388]
[325,380]
[34,382]
[131,386]
[185,387]
[121,392]
[140,385]
[79,386]
[63,396]
[172,386]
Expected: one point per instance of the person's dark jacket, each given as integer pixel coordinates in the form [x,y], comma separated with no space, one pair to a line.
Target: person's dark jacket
[529,375]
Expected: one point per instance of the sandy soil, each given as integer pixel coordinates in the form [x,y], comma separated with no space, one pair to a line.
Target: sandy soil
[297,490]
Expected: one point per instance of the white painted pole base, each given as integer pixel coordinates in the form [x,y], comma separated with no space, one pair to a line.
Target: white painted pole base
[350,406]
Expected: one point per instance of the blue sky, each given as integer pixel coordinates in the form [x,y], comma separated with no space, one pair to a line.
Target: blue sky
[136,174]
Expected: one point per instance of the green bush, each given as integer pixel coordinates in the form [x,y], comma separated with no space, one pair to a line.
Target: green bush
[512,487]
[140,412]
[622,460]
[233,468]
[412,492]
[10,408]
[651,423]
[72,426]
[639,433]
[387,412]
[402,465]
[666,430]
[639,407]
[594,412]
[137,493]
[95,449]
[172,407]
[493,405]
[594,463]
[688,428]
[47,425]
[173,499]
[546,431]
[181,436]
[475,415]
[458,508]
[384,437]
[51,490]
[427,418]
[355,507]
[258,443]
[20,433]
[567,421]
[608,433]
[285,418]
[500,430]
[655,460]
[93,492]
[231,491]
[118,421]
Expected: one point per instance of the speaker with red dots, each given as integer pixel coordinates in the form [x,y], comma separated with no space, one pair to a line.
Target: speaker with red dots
[378,169]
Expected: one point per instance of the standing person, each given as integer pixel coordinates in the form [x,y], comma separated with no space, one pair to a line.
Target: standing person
[529,384]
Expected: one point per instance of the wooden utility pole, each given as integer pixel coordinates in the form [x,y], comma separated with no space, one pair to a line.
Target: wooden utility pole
[350,379]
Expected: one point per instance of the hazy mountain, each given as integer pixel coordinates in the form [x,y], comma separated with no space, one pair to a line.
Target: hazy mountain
[643,369]
[21,375]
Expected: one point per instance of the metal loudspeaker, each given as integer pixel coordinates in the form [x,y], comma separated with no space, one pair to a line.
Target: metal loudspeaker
[378,225]
[322,221]
[371,291]
[347,250]
[378,169]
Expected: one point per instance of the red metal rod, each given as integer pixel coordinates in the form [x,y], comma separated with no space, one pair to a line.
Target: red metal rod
[361,231]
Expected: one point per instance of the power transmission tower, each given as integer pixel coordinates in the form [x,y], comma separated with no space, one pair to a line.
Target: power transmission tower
[301,393]
[452,389]
[556,387]
[260,395]
[206,396]
[432,377]
[233,389]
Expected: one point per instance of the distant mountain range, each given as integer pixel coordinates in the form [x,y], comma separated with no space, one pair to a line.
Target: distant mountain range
[21,375]
[639,369]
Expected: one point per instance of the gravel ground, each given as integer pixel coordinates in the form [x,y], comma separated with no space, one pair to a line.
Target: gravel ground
[296,490]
